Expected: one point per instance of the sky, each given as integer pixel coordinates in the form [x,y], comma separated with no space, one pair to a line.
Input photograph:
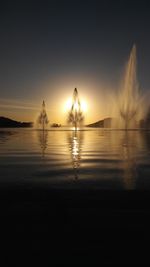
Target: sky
[47,48]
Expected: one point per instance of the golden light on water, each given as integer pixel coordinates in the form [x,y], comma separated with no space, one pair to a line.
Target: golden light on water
[75,150]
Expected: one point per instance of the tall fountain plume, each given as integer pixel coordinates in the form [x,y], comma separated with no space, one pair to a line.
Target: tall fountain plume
[129,99]
[75,114]
[43,118]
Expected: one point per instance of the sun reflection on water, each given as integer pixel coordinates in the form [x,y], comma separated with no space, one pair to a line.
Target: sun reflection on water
[75,140]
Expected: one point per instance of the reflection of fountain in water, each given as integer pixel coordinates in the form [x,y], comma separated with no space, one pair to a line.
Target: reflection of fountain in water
[128,153]
[146,138]
[129,101]
[75,115]
[43,141]
[75,140]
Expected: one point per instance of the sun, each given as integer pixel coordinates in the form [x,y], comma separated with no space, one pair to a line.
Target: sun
[68,105]
[84,106]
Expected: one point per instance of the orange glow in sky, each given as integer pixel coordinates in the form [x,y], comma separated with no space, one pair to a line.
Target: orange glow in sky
[94,99]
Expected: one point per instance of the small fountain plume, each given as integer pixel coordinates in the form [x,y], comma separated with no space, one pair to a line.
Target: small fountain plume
[75,115]
[43,118]
[129,100]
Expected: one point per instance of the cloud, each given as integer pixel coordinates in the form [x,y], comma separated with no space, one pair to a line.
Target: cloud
[12,104]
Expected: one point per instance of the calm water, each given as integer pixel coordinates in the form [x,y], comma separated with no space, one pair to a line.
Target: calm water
[91,158]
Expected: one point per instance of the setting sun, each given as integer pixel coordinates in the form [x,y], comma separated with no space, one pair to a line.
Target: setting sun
[68,105]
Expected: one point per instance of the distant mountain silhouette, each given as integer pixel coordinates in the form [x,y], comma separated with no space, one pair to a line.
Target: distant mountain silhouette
[6,122]
[105,123]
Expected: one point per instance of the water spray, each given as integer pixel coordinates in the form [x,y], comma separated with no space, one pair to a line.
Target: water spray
[75,115]
[43,118]
[129,102]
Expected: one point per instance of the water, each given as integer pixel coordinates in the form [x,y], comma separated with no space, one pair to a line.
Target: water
[91,158]
[129,106]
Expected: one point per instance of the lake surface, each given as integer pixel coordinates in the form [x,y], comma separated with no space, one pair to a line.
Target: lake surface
[88,158]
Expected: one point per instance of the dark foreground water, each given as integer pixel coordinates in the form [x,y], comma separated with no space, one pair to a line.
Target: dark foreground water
[71,198]
[100,159]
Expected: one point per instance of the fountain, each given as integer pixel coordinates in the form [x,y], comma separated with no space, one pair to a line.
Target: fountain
[129,99]
[75,115]
[43,119]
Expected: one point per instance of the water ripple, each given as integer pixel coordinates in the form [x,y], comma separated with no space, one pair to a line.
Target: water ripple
[105,159]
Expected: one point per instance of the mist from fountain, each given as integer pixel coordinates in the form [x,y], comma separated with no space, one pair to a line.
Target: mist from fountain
[43,118]
[75,114]
[129,100]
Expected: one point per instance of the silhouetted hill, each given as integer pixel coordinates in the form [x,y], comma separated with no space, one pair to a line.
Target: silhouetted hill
[6,122]
[106,123]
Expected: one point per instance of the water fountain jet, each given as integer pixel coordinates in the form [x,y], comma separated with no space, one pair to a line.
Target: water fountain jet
[129,99]
[75,115]
[43,118]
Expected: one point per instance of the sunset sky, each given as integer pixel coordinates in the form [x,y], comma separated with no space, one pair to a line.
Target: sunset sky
[47,48]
